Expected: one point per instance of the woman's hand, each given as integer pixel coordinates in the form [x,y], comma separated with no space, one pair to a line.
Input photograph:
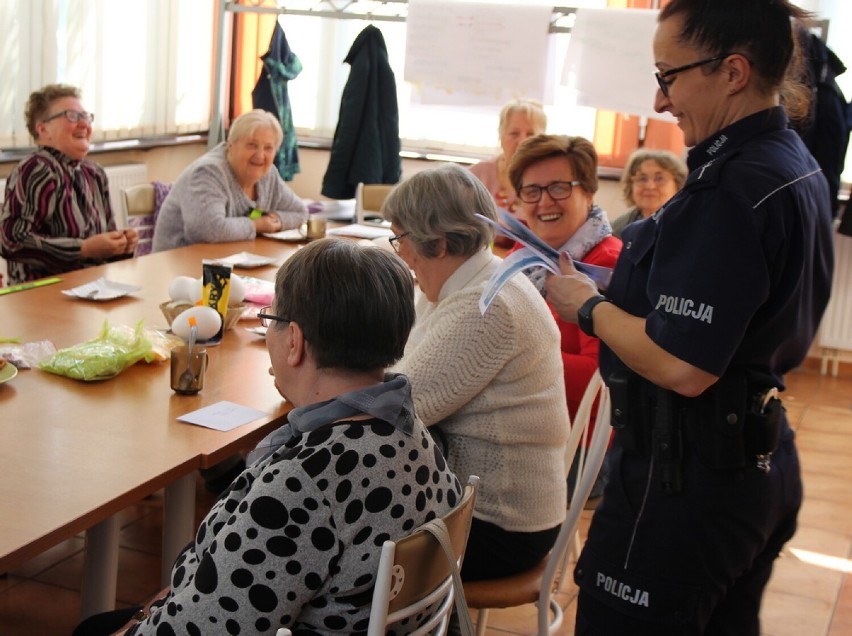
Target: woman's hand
[132,237]
[568,292]
[108,244]
[267,223]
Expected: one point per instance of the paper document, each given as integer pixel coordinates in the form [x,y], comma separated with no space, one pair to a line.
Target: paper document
[361,231]
[535,253]
[222,416]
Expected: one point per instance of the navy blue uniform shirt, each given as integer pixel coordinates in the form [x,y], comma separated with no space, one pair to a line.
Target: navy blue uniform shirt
[735,270]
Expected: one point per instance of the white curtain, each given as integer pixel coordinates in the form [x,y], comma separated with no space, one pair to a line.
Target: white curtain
[144,67]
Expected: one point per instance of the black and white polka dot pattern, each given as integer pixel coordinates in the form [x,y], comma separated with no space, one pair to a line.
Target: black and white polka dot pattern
[296,540]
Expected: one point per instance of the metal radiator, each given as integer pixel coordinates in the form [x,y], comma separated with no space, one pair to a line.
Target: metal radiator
[120,177]
[835,332]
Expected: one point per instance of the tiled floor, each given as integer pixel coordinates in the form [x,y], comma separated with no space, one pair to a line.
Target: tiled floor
[810,593]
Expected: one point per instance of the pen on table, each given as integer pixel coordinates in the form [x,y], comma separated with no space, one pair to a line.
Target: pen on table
[23,286]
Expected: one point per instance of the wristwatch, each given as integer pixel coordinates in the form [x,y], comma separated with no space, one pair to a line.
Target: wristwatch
[584,314]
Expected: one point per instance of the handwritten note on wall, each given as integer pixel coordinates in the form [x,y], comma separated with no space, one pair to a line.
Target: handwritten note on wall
[483,53]
[610,61]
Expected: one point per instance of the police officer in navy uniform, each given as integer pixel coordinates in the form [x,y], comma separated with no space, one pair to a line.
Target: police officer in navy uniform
[713,300]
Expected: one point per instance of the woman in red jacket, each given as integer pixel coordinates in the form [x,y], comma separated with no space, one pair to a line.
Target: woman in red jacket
[556,177]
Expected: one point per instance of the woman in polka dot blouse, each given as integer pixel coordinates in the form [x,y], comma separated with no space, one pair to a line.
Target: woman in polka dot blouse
[295,541]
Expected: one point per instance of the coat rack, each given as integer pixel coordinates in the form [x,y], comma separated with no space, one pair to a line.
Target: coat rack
[370,10]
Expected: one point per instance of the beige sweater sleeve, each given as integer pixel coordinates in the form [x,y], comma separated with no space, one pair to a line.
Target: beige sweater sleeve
[459,356]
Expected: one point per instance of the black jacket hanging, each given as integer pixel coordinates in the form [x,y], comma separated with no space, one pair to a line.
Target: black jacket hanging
[366,141]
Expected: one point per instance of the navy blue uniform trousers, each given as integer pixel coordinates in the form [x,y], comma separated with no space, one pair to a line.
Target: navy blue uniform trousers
[690,563]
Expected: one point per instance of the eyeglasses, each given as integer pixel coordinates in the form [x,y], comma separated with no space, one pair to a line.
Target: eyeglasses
[645,180]
[73,116]
[557,190]
[266,317]
[394,240]
[662,75]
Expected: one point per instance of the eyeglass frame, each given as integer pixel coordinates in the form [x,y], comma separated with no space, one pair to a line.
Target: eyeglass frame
[541,189]
[73,116]
[658,180]
[662,75]
[394,240]
[266,317]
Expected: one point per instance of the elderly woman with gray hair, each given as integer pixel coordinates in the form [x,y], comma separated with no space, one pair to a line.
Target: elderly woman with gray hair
[231,193]
[489,386]
[650,178]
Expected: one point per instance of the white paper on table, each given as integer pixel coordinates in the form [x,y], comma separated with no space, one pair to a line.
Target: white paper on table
[361,231]
[222,416]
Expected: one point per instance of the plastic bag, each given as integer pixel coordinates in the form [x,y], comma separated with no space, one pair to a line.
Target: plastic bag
[115,349]
[27,355]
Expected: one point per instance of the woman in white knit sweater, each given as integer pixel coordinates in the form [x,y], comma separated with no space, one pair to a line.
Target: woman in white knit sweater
[491,387]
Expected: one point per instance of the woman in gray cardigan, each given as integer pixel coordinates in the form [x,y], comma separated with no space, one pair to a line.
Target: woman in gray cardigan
[231,193]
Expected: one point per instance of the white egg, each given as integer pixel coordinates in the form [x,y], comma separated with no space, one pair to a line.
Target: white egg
[238,291]
[207,319]
[195,290]
[181,288]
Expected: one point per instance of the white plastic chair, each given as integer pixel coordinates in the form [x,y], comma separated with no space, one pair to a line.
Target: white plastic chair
[415,573]
[138,213]
[538,584]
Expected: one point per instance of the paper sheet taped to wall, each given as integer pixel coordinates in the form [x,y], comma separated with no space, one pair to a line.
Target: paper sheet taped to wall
[486,53]
[610,61]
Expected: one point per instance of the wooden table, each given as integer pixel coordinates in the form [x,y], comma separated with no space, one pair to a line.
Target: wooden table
[73,454]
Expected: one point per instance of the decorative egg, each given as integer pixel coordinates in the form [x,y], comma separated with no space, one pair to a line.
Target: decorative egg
[191,289]
[237,294]
[195,291]
[181,288]
[207,319]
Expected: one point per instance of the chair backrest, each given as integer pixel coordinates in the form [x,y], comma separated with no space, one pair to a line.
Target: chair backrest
[139,207]
[369,198]
[414,573]
[591,460]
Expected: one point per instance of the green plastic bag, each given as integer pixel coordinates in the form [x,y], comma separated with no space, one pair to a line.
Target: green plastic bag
[115,349]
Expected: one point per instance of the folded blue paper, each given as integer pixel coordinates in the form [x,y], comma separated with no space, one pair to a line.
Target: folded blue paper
[535,253]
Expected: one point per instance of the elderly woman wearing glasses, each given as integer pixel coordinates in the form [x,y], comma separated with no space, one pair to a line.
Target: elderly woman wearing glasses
[56,216]
[556,178]
[650,178]
[489,386]
[232,193]
[295,541]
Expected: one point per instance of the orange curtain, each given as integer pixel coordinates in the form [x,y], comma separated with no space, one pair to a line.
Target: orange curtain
[617,135]
[252,33]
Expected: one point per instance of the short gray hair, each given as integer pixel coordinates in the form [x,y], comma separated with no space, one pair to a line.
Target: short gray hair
[357,321]
[668,161]
[441,203]
[248,122]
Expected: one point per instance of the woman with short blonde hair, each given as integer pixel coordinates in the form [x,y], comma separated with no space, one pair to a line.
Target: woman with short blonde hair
[232,193]
[519,120]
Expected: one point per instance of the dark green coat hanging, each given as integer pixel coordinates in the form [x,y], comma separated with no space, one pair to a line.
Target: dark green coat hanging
[280,65]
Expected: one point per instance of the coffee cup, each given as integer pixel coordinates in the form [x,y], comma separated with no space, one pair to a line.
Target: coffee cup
[314,229]
[188,369]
